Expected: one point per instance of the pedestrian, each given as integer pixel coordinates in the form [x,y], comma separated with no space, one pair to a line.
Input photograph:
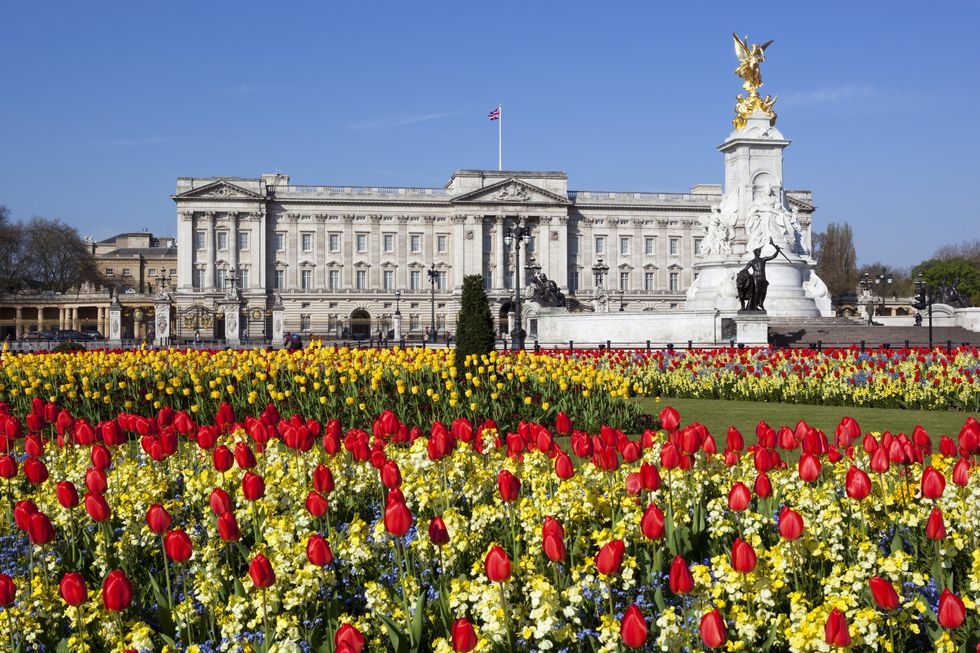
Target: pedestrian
[197,336]
[427,334]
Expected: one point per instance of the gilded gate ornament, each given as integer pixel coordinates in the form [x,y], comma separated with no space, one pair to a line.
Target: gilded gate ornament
[749,57]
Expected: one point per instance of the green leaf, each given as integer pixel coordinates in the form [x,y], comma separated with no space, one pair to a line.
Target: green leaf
[399,642]
[418,621]
[897,542]
[658,598]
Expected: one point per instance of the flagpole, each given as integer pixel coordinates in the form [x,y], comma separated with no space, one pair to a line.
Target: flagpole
[500,138]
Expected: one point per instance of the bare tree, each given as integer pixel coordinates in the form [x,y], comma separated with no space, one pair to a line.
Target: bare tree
[55,256]
[836,258]
[11,259]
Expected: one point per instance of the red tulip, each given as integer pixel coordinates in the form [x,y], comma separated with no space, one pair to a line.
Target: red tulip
[879,461]
[743,556]
[935,526]
[318,551]
[713,631]
[100,457]
[117,592]
[8,467]
[946,446]
[260,571]
[8,590]
[438,534]
[652,523]
[35,471]
[883,593]
[610,557]
[857,483]
[650,476]
[497,565]
[633,628]
[253,486]
[680,579]
[563,425]
[790,524]
[97,507]
[734,439]
[391,476]
[22,513]
[933,483]
[835,630]
[564,469]
[463,636]
[39,529]
[952,612]
[552,525]
[739,497]
[316,504]
[809,467]
[670,419]
[763,486]
[244,457]
[67,494]
[228,527]
[178,545]
[158,519]
[323,479]
[349,637]
[398,518]
[508,485]
[222,458]
[220,501]
[961,472]
[73,589]
[95,480]
[554,547]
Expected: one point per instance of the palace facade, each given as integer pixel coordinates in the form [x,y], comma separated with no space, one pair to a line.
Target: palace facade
[343,259]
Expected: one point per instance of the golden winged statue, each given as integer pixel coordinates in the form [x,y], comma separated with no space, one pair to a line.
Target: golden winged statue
[749,58]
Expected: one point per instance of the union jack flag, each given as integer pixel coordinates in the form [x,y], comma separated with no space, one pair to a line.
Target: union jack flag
[495,114]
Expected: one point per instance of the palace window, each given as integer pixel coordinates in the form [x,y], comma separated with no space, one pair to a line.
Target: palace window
[334,279]
[361,242]
[333,240]
[415,280]
[675,245]
[441,280]
[600,245]
[200,239]
[280,241]
[441,241]
[697,247]
[280,279]
[389,242]
[675,281]
[307,241]
[109,272]
[624,246]
[388,280]
[127,272]
[306,279]
[243,278]
[360,280]
[487,281]
[573,282]
[415,243]
[242,240]
[650,245]
[648,281]
[173,272]
[413,323]
[152,272]
[198,279]
[222,240]
[624,280]
[304,322]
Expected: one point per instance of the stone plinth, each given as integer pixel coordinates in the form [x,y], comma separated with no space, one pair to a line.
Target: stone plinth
[115,324]
[592,329]
[752,328]
[161,312]
[233,324]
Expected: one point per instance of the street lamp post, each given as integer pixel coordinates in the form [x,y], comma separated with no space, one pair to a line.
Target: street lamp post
[516,237]
[398,317]
[924,298]
[433,276]
[621,294]
[868,284]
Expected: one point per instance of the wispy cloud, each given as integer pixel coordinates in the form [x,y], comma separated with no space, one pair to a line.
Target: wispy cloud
[385,123]
[837,96]
[138,142]
[239,89]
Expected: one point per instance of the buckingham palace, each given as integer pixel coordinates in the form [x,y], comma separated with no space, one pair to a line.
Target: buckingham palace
[339,261]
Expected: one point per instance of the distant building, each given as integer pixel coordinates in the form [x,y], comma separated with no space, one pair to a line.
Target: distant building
[337,255]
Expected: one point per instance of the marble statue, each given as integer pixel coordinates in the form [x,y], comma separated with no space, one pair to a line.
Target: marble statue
[751,281]
[815,287]
[719,226]
[768,220]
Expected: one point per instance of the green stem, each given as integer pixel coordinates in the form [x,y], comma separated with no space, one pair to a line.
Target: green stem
[265,623]
[506,608]
[166,572]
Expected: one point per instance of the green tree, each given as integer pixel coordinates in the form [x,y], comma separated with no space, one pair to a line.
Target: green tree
[836,259]
[961,273]
[474,326]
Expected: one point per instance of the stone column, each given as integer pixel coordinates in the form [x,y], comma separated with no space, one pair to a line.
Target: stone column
[115,324]
[561,270]
[100,324]
[210,251]
[40,318]
[75,321]
[19,322]
[278,322]
[233,240]
[459,251]
[398,327]
[498,235]
[161,313]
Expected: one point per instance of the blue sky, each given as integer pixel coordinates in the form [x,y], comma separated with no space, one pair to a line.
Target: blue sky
[106,104]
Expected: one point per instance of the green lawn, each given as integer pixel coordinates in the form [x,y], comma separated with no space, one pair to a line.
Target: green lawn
[719,414]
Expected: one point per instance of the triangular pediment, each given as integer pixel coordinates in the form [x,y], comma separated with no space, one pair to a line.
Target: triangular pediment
[220,189]
[511,191]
